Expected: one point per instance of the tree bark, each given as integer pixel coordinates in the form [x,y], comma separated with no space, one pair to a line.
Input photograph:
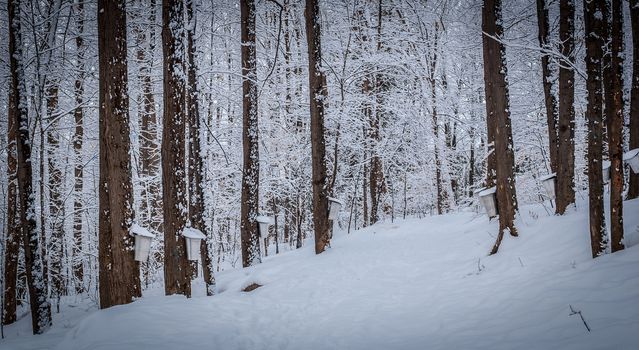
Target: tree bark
[549,97]
[633,182]
[14,236]
[40,307]
[78,114]
[594,54]
[251,174]
[498,111]
[119,272]
[566,126]
[176,266]
[615,128]
[196,163]
[318,93]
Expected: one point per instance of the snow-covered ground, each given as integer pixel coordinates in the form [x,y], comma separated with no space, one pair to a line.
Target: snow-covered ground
[414,284]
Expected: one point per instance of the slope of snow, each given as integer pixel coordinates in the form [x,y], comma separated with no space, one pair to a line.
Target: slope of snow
[414,284]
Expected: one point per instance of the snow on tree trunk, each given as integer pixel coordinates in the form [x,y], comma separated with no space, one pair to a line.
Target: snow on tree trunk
[593,26]
[196,163]
[177,270]
[615,128]
[498,115]
[250,235]
[566,125]
[119,272]
[633,188]
[40,307]
[13,236]
[78,138]
[318,93]
[550,100]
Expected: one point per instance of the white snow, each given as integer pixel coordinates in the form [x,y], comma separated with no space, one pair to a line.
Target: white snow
[190,232]
[414,284]
[264,219]
[137,230]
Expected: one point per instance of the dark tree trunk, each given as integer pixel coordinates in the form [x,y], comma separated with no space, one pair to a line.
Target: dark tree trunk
[318,93]
[615,128]
[498,111]
[196,163]
[594,27]
[40,307]
[251,174]
[549,97]
[12,245]
[633,188]
[119,272]
[78,114]
[442,200]
[177,270]
[566,125]
[377,183]
[56,203]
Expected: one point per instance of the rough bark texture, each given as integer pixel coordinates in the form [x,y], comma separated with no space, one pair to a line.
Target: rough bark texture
[119,272]
[318,92]
[196,163]
[442,200]
[549,97]
[566,126]
[12,245]
[594,54]
[117,267]
[498,110]
[78,172]
[633,188]
[615,129]
[377,183]
[176,266]
[40,307]
[251,173]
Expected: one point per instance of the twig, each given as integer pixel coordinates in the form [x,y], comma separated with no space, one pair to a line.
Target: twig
[573,312]
[521,262]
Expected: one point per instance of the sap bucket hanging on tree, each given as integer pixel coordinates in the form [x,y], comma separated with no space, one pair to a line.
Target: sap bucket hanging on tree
[488,199]
[549,181]
[143,238]
[193,238]
[334,206]
[263,223]
[606,171]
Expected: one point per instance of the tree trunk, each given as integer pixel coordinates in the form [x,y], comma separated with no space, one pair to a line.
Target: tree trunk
[40,307]
[251,174]
[566,125]
[549,97]
[176,266]
[633,188]
[615,128]
[594,27]
[318,93]
[498,111]
[12,244]
[56,203]
[196,163]
[78,114]
[119,272]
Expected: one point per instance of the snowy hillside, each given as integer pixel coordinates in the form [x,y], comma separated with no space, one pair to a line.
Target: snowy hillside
[415,284]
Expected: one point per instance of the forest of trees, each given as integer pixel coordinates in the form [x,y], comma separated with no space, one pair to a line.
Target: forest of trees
[215,117]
